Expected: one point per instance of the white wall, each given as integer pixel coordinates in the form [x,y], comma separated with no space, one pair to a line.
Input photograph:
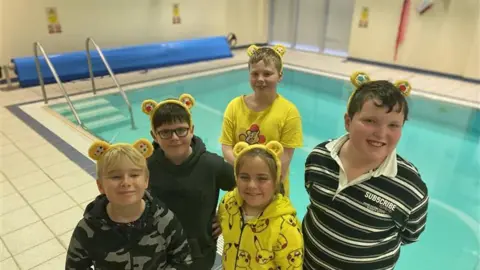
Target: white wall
[339,23]
[126,22]
[442,40]
[2,18]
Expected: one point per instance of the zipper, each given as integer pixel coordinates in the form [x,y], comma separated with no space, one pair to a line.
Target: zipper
[240,238]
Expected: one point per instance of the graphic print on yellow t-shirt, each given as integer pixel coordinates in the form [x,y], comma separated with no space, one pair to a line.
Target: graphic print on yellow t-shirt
[252,135]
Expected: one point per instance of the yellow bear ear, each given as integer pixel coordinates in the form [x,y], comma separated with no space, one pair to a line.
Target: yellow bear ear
[97,149]
[358,78]
[275,147]
[252,49]
[148,106]
[144,146]
[404,86]
[239,147]
[280,49]
[187,100]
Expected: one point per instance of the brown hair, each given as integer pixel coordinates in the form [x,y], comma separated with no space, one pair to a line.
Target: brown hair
[268,55]
[267,158]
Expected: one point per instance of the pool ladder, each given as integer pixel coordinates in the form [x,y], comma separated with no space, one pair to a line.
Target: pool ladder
[37,46]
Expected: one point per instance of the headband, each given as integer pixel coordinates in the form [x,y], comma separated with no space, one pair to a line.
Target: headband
[150,106]
[274,148]
[278,49]
[98,149]
[360,78]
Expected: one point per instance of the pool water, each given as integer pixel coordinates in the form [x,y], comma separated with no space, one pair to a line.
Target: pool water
[441,139]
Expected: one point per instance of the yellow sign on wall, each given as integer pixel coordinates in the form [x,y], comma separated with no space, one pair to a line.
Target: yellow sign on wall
[363,23]
[54,25]
[176,14]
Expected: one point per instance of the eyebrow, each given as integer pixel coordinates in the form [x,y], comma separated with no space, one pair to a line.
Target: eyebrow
[130,170]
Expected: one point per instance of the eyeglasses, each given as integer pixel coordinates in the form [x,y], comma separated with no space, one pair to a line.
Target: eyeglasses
[168,133]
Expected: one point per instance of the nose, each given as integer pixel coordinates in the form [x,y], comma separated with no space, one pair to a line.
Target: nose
[126,181]
[174,136]
[252,184]
[380,131]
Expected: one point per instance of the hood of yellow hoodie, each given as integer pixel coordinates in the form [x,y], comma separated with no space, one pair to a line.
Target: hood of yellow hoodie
[280,206]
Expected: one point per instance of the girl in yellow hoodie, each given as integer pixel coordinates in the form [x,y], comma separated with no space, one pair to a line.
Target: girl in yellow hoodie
[259,225]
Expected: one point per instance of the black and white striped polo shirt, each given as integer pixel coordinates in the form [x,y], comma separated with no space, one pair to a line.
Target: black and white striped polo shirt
[362,224]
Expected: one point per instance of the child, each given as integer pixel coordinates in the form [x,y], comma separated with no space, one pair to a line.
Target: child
[186,176]
[366,200]
[124,227]
[264,115]
[259,224]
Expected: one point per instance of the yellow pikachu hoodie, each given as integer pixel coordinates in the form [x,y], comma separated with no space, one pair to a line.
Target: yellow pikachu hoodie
[271,241]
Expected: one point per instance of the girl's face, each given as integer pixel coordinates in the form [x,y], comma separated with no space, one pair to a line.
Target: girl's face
[255,182]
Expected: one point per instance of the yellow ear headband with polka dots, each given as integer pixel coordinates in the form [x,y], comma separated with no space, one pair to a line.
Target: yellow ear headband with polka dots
[360,78]
[274,148]
[280,50]
[150,106]
[98,149]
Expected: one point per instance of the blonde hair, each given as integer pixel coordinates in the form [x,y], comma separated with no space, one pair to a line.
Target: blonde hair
[267,158]
[269,56]
[114,155]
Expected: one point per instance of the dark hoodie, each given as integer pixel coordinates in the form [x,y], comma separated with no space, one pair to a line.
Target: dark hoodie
[155,241]
[191,190]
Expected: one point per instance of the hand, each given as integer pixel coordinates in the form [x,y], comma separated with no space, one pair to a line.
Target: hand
[216,229]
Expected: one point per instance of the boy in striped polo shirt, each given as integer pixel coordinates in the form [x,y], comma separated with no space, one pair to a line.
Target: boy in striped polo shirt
[366,201]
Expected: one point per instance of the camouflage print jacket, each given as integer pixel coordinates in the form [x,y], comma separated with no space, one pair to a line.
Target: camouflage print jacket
[155,241]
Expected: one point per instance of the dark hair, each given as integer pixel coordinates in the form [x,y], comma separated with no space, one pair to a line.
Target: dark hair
[170,113]
[384,91]
[268,55]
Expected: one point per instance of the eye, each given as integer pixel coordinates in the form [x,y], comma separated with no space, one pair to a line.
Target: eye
[395,125]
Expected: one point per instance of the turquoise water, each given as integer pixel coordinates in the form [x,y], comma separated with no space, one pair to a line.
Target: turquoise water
[441,139]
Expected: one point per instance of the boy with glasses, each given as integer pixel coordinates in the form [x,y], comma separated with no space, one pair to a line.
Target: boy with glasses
[185,176]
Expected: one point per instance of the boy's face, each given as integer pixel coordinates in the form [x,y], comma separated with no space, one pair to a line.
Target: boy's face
[373,132]
[124,184]
[174,139]
[264,77]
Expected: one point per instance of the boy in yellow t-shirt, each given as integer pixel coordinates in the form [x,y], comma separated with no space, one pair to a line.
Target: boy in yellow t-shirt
[264,115]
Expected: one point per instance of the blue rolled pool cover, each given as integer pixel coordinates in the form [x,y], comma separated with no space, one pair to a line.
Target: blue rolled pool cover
[73,65]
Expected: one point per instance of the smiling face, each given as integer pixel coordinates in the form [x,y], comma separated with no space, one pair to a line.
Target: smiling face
[375,130]
[264,76]
[123,181]
[256,181]
[175,140]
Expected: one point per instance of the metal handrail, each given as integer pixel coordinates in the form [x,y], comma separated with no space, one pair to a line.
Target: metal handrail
[36,46]
[90,69]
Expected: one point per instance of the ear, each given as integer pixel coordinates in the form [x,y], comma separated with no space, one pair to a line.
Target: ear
[144,146]
[100,186]
[187,100]
[275,147]
[148,106]
[251,50]
[280,49]
[97,149]
[239,147]
[404,86]
[347,121]
[358,78]
[192,128]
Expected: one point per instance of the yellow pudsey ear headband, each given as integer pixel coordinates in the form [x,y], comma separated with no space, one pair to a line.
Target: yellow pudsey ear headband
[99,148]
[274,148]
[360,78]
[279,49]
[150,106]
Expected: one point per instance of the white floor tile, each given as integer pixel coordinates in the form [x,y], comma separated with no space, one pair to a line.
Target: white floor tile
[26,238]
[65,238]
[55,263]
[74,179]
[6,189]
[7,149]
[41,191]
[17,219]
[30,180]
[40,254]
[41,151]
[11,202]
[4,254]
[17,165]
[4,140]
[53,205]
[66,167]
[50,159]
[85,192]
[2,177]
[64,221]
[8,264]
[26,141]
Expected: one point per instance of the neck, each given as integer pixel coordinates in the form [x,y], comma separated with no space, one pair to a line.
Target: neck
[264,98]
[181,159]
[125,214]
[356,160]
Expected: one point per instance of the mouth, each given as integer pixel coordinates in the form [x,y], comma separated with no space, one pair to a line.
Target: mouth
[126,192]
[252,194]
[261,87]
[376,143]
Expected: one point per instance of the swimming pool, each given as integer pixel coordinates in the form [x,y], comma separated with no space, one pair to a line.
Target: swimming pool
[441,139]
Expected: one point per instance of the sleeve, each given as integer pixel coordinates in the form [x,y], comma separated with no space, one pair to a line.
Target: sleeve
[225,177]
[292,135]
[77,254]
[289,248]
[221,209]
[228,127]
[178,251]
[415,224]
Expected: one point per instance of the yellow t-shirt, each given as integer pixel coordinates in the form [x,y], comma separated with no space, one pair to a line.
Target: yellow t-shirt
[280,122]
